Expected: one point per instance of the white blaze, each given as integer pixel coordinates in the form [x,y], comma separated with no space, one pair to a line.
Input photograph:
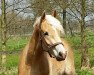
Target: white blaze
[60,48]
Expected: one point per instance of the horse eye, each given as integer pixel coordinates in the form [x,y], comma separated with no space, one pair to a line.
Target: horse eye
[45,33]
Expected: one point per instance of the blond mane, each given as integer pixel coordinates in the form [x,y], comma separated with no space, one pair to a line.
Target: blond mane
[52,21]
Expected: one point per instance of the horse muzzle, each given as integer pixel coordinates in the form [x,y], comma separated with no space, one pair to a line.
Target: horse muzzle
[61,56]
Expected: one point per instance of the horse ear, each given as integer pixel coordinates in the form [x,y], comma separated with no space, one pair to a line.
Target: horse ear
[43,16]
[54,13]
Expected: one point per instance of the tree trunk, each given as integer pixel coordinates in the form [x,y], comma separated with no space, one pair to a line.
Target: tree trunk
[70,30]
[65,2]
[84,48]
[3,32]
[64,20]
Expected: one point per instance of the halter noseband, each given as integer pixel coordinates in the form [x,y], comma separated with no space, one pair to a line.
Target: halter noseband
[47,47]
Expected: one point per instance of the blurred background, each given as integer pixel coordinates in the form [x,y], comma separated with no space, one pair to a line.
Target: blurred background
[16,25]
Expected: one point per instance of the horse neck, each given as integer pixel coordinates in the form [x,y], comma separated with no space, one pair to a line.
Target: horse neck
[39,56]
[36,43]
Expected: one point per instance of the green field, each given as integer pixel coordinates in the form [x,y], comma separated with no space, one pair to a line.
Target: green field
[17,43]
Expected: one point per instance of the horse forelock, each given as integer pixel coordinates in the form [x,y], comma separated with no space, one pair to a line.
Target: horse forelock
[52,21]
[55,23]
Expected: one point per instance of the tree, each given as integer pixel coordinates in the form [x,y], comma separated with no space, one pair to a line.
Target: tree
[3,31]
[79,10]
[38,6]
[64,14]
[84,49]
[63,5]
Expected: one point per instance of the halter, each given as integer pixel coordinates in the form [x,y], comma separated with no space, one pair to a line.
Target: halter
[47,47]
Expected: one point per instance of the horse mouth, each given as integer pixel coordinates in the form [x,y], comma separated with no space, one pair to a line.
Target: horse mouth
[61,57]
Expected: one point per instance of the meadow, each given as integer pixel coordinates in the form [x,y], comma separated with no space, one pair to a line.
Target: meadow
[18,43]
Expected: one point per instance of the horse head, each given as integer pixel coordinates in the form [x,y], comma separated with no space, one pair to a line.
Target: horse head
[49,33]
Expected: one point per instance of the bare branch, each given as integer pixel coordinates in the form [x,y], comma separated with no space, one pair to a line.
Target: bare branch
[15,3]
[18,9]
[74,13]
[73,16]
[16,15]
[76,8]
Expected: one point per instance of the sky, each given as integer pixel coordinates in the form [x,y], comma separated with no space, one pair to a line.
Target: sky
[0,6]
[25,4]
[22,4]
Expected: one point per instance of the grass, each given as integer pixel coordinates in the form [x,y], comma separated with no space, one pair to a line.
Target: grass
[12,60]
[84,72]
[13,43]
[75,43]
[17,43]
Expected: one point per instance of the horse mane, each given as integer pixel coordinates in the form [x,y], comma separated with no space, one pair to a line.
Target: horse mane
[52,21]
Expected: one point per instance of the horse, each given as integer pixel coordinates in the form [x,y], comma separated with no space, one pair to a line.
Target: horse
[47,53]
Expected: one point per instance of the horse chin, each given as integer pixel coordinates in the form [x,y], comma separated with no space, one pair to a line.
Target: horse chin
[60,58]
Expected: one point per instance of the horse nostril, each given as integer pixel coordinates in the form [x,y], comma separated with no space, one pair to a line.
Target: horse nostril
[60,53]
[63,55]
